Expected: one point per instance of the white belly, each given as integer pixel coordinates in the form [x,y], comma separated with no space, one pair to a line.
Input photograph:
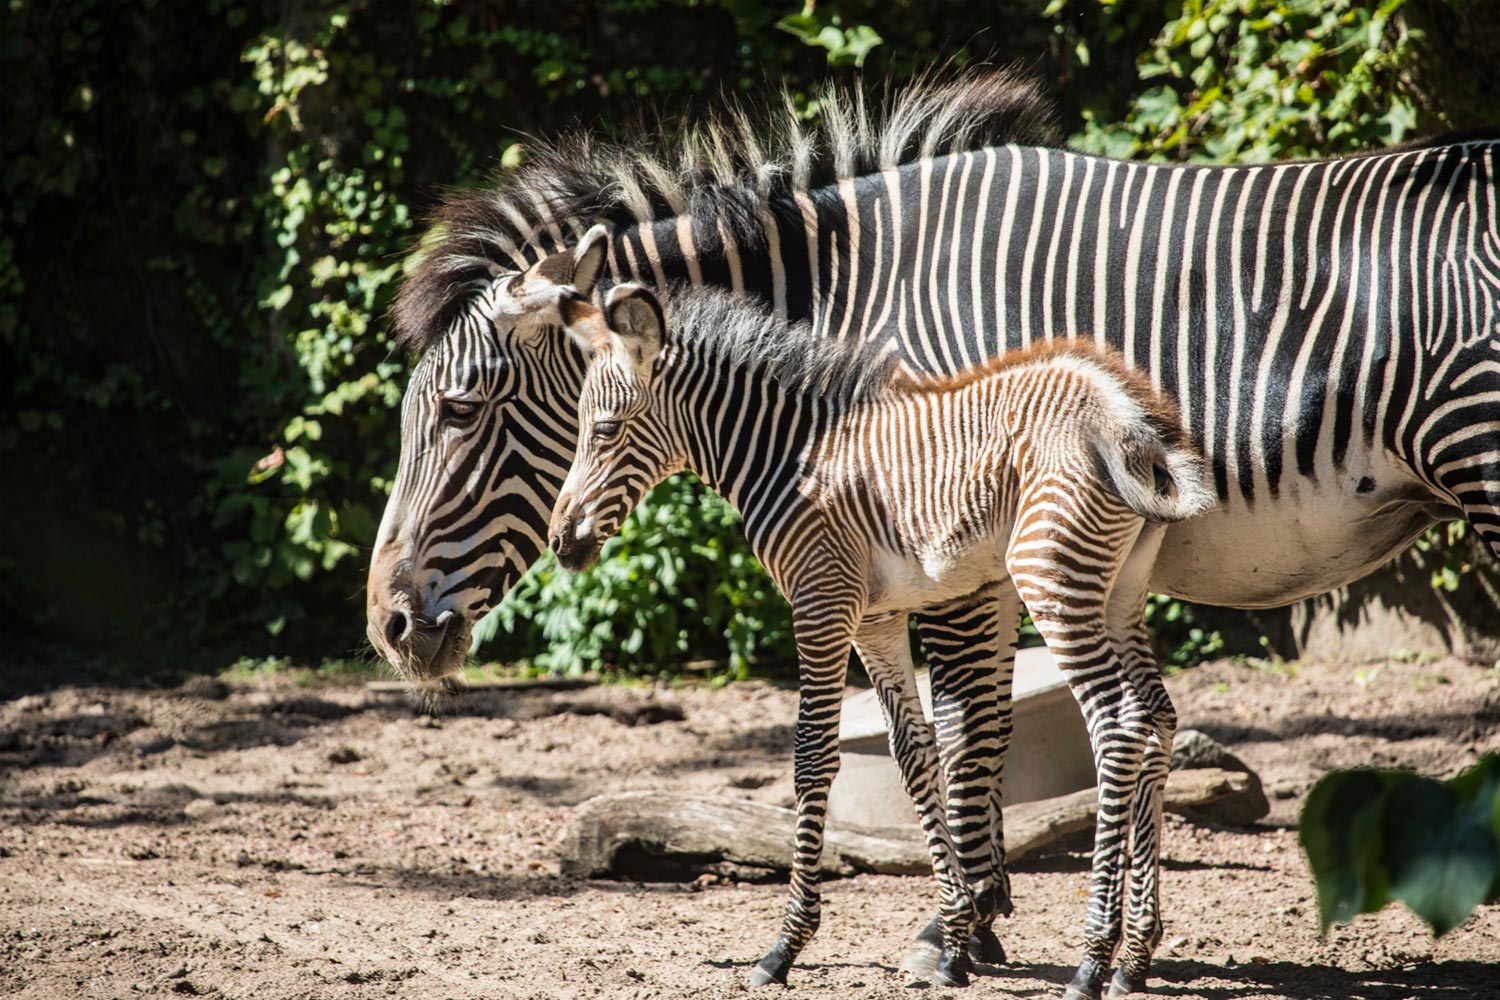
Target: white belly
[900,581]
[1317,536]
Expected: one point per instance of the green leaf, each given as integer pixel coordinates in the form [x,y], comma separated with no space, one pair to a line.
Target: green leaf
[1441,864]
[1340,831]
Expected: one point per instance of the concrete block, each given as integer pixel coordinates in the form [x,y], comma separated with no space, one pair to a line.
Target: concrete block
[1049,750]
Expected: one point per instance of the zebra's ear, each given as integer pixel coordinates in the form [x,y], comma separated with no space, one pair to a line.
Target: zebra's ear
[636,316]
[582,320]
[588,259]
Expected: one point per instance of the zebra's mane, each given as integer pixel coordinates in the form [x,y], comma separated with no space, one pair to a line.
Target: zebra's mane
[722,171]
[729,331]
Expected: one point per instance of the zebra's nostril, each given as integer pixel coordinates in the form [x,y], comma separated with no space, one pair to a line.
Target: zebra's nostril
[555,544]
[397,627]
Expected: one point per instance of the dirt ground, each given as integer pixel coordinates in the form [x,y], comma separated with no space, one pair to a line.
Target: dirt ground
[267,840]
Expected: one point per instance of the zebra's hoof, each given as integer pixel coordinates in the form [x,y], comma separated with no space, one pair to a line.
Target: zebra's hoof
[771,969]
[765,977]
[985,947]
[1087,984]
[1123,984]
[952,969]
[921,964]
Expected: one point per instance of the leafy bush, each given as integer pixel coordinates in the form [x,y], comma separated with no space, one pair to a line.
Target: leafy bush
[204,219]
[1376,837]
[1255,80]
[677,584]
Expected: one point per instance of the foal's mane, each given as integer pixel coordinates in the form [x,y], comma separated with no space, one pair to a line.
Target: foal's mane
[723,170]
[737,333]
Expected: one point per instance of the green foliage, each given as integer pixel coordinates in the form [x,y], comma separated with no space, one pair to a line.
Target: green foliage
[1181,640]
[1375,837]
[677,584]
[204,217]
[844,46]
[216,378]
[1255,80]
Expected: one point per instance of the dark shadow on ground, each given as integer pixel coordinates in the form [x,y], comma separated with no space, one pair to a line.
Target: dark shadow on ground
[1424,981]
[1468,725]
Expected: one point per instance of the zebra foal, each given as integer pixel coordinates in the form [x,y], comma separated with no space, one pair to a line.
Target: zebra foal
[870,494]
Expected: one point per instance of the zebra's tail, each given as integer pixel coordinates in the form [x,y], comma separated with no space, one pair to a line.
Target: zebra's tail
[1160,479]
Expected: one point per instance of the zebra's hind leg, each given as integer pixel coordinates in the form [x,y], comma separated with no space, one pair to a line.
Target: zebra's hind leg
[1127,625]
[969,645]
[1064,565]
[824,629]
[885,648]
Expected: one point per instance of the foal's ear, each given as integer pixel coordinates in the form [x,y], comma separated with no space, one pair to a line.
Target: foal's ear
[583,321]
[636,315]
[588,259]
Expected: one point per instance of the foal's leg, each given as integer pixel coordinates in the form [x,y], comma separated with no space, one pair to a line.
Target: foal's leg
[969,644]
[884,646]
[824,629]
[1064,564]
[1127,626]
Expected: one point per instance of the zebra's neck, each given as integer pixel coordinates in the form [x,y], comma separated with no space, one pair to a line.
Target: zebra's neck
[747,437]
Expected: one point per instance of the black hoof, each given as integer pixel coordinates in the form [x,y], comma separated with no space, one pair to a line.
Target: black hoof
[985,948]
[952,969]
[771,969]
[1087,984]
[1124,984]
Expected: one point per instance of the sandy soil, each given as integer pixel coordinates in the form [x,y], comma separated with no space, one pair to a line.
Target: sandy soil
[273,841]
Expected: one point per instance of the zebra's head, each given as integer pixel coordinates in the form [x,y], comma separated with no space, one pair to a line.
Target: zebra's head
[624,448]
[487,431]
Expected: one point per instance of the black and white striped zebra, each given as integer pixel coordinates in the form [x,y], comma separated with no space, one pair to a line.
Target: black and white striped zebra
[869,495]
[1328,330]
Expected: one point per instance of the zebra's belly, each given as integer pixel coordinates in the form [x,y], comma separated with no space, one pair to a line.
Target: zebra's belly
[1317,536]
[901,581]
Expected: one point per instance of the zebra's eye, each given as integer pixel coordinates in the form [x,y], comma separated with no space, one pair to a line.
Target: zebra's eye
[606,429]
[457,411]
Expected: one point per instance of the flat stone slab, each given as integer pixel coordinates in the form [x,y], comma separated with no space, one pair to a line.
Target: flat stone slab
[1049,752]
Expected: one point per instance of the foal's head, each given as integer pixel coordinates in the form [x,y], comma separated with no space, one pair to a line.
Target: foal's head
[624,447]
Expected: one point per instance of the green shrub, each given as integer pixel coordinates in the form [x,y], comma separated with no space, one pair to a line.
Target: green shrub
[1377,837]
[677,585]
[204,219]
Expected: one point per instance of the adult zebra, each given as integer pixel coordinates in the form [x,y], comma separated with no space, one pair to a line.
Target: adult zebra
[1328,329]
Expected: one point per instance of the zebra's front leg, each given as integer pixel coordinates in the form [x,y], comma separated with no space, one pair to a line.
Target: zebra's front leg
[969,646]
[823,664]
[885,649]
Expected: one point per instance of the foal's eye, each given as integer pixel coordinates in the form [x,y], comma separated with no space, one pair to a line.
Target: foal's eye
[606,429]
[457,411]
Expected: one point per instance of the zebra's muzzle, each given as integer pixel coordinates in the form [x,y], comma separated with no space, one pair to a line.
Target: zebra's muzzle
[419,648]
[575,549]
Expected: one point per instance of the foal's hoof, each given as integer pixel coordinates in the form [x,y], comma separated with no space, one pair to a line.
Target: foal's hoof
[771,969]
[985,948]
[1124,984]
[920,966]
[952,969]
[1087,984]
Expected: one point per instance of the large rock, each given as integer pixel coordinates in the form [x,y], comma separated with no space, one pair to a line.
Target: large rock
[1193,750]
[1049,749]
